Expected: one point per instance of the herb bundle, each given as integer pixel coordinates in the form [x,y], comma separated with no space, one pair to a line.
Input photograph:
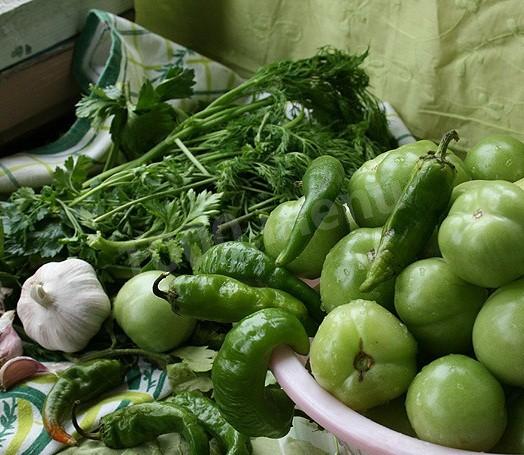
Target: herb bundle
[191,180]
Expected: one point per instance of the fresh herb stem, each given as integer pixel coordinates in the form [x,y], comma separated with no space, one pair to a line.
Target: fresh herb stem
[238,220]
[294,121]
[170,192]
[215,156]
[191,157]
[158,150]
[263,203]
[235,93]
[180,133]
[261,127]
[72,219]
[122,178]
[112,157]
[115,246]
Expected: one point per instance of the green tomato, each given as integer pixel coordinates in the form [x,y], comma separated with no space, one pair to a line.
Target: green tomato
[497,157]
[345,269]
[512,440]
[482,238]
[392,415]
[375,188]
[498,333]
[438,307]
[147,319]
[363,355]
[278,229]
[456,402]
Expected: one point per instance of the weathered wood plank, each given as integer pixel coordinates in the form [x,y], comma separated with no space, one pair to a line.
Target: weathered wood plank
[28,27]
[35,92]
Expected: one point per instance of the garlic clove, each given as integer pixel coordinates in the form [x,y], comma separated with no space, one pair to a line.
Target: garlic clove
[10,342]
[19,369]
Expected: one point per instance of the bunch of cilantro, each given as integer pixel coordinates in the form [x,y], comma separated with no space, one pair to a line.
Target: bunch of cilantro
[176,182]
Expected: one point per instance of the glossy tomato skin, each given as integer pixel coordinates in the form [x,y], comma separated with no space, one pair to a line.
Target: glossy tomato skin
[376,186]
[482,238]
[345,269]
[278,229]
[497,157]
[456,402]
[437,306]
[363,355]
[512,440]
[147,319]
[498,334]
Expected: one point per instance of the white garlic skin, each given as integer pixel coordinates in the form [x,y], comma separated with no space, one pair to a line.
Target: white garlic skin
[63,305]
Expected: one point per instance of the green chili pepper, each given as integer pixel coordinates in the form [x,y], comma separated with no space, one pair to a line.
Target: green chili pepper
[139,423]
[322,184]
[208,414]
[244,262]
[80,382]
[223,299]
[421,205]
[239,373]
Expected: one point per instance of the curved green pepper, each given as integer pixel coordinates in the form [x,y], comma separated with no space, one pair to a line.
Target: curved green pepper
[375,188]
[322,184]
[239,373]
[223,299]
[415,216]
[208,414]
[139,423]
[82,382]
[277,232]
[246,263]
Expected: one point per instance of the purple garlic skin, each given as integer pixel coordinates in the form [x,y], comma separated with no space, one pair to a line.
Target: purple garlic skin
[10,342]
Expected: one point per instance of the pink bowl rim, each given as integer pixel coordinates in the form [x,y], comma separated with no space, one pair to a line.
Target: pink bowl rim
[347,425]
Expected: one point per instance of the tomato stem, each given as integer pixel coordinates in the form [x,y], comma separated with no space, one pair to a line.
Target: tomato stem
[363,362]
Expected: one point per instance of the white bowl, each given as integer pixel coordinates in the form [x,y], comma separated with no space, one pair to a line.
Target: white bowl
[359,434]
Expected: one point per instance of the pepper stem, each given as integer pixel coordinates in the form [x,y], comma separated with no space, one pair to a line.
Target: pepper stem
[156,289]
[444,143]
[85,434]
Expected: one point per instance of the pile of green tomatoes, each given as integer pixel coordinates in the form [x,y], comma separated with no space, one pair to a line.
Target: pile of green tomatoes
[437,350]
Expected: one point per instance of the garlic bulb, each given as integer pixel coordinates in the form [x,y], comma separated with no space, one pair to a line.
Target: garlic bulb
[63,305]
[10,342]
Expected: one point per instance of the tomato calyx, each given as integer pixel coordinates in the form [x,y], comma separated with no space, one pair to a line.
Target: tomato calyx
[362,362]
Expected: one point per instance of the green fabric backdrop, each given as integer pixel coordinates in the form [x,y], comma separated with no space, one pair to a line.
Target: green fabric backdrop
[441,63]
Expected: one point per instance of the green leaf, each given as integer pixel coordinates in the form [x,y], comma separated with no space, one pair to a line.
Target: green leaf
[73,174]
[183,378]
[148,98]
[200,207]
[177,83]
[101,103]
[143,131]
[197,358]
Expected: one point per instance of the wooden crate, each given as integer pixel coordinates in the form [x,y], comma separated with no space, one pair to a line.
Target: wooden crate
[36,48]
